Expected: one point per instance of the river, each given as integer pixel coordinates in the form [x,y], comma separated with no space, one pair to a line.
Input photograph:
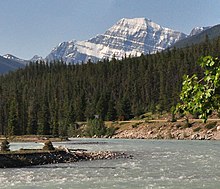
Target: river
[156,164]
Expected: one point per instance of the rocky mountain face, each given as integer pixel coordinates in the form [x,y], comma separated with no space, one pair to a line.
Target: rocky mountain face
[198,30]
[126,37]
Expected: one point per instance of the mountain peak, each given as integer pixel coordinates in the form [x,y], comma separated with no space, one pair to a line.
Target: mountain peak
[36,58]
[135,24]
[198,30]
[14,58]
[131,36]
[134,21]
[11,57]
[8,63]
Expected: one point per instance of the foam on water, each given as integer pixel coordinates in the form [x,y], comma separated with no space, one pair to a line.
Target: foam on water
[156,164]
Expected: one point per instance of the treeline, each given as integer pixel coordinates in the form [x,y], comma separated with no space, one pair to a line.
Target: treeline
[48,98]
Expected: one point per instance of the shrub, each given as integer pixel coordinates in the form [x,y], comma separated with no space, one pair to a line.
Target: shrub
[187,124]
[111,131]
[197,129]
[210,125]
[5,146]
[136,125]
[96,127]
[48,145]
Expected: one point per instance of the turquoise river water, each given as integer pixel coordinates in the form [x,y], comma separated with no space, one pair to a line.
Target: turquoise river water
[156,164]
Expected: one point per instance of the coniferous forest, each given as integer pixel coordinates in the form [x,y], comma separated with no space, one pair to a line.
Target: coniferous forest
[48,98]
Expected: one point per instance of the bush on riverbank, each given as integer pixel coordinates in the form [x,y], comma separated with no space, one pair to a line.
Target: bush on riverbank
[48,146]
[5,146]
[96,127]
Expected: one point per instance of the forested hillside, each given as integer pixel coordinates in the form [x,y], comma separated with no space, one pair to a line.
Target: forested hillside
[48,98]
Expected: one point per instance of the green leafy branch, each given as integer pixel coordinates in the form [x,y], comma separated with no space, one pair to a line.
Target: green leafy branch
[200,96]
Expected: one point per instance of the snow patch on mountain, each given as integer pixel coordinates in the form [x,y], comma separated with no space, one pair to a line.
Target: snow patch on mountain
[36,58]
[198,30]
[11,57]
[126,37]
[14,58]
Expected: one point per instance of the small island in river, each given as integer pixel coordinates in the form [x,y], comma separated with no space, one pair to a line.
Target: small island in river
[50,155]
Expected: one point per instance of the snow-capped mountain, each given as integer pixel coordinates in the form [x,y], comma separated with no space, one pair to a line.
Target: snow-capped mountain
[9,64]
[200,36]
[126,37]
[36,58]
[198,30]
[14,58]
[22,61]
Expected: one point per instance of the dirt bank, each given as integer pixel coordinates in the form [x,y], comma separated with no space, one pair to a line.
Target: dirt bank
[180,130]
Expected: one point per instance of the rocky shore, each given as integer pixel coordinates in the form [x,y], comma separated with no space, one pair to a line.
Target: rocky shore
[169,130]
[23,159]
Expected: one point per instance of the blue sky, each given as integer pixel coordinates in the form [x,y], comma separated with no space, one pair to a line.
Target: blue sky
[29,27]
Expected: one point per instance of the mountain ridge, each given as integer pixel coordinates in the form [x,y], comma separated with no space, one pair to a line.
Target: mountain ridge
[210,34]
[7,65]
[127,36]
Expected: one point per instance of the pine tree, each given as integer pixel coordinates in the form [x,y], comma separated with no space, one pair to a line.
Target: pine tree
[44,119]
[55,124]
[102,107]
[124,109]
[111,113]
[80,107]
[12,128]
[32,117]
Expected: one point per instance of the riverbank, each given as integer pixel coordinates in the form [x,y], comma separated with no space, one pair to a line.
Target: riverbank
[163,129]
[145,129]
[33,138]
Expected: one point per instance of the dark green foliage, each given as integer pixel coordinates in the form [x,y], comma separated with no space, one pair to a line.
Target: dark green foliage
[124,109]
[111,131]
[111,113]
[5,146]
[172,110]
[96,127]
[197,129]
[74,130]
[13,124]
[33,109]
[48,98]
[44,119]
[48,145]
